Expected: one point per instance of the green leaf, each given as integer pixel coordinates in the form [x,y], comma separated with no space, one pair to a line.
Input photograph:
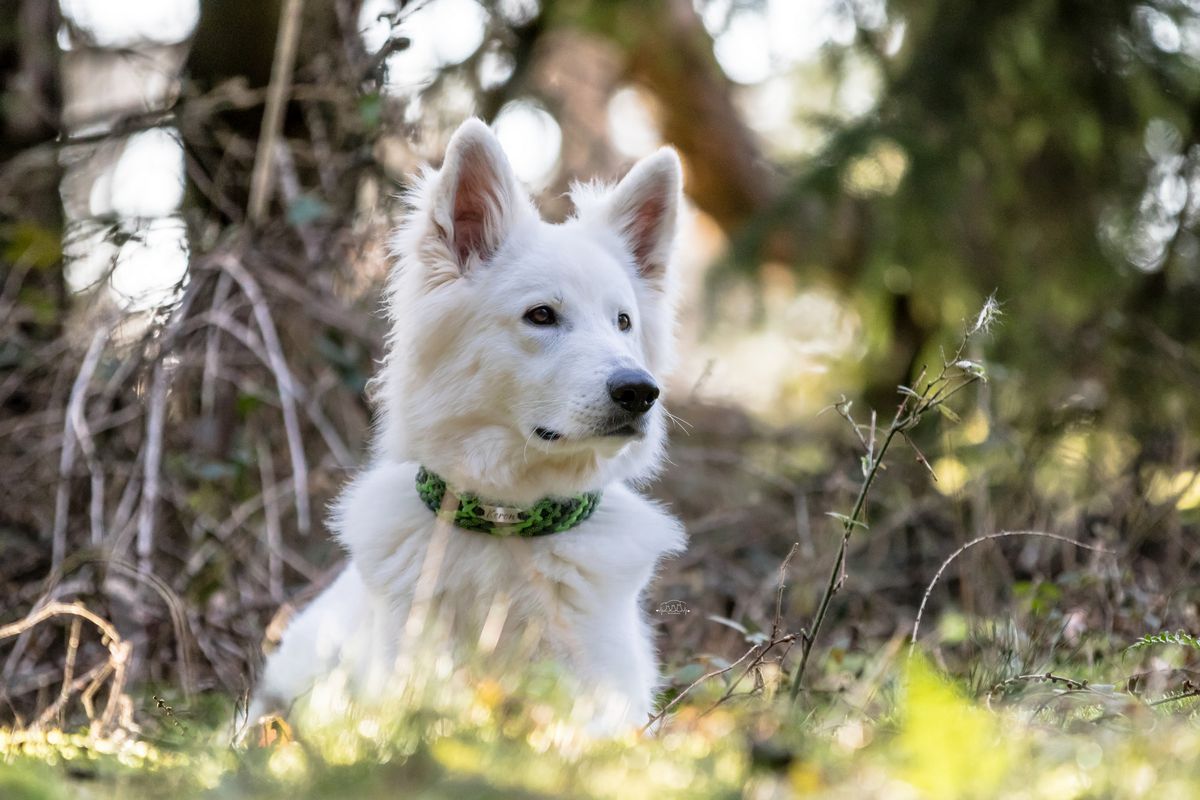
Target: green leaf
[947,412]
[1178,638]
[729,623]
[370,110]
[688,673]
[246,404]
[847,521]
[757,637]
[973,368]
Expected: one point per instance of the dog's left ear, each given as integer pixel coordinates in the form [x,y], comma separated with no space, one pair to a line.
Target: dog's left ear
[644,208]
[477,199]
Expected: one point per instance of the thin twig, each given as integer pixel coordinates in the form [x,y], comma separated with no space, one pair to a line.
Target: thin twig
[835,574]
[1175,697]
[155,424]
[285,382]
[1044,677]
[777,622]
[274,543]
[277,92]
[707,676]
[999,535]
[118,656]
[759,651]
[756,662]
[91,359]
[955,375]
[212,352]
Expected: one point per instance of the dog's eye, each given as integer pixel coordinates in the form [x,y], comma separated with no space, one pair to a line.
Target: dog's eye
[541,315]
[623,322]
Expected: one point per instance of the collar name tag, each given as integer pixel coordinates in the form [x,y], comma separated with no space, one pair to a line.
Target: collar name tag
[502,515]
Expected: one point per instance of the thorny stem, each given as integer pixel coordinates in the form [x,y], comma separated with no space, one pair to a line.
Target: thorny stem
[905,419]
[758,660]
[1175,697]
[807,643]
[758,651]
[716,672]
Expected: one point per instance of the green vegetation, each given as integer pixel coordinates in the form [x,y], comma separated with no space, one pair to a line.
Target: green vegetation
[905,732]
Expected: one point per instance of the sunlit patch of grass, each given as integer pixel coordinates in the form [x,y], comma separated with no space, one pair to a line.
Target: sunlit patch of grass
[52,763]
[939,722]
[55,746]
[921,736]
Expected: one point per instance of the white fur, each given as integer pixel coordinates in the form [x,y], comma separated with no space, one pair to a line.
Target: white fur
[466,382]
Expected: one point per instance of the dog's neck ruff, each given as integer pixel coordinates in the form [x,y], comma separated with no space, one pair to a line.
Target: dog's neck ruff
[467,511]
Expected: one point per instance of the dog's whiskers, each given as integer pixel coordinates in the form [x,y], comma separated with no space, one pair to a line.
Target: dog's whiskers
[525,449]
[679,422]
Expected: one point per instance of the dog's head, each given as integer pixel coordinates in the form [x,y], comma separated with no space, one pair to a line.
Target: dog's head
[527,358]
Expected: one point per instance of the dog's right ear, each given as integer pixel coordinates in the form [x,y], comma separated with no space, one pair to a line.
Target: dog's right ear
[477,198]
[644,208]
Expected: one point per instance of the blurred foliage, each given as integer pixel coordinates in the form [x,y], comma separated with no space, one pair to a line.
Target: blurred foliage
[936,721]
[918,736]
[1044,149]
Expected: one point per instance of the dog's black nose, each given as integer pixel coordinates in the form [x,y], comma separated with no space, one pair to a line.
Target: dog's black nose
[633,390]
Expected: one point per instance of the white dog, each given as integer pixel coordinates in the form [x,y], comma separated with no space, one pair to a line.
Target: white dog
[519,396]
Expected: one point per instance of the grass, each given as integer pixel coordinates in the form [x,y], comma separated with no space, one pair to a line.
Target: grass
[908,732]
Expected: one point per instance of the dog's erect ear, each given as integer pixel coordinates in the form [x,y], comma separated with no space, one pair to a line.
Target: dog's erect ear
[477,198]
[644,208]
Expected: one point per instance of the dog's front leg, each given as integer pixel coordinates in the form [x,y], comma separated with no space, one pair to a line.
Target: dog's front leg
[613,656]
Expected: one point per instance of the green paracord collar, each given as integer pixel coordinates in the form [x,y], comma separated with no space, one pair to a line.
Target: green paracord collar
[549,515]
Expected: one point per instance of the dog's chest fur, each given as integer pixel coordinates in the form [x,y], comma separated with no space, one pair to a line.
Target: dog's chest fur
[573,597]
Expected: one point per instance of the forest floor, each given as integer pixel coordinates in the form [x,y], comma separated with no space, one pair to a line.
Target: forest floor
[1001,615]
